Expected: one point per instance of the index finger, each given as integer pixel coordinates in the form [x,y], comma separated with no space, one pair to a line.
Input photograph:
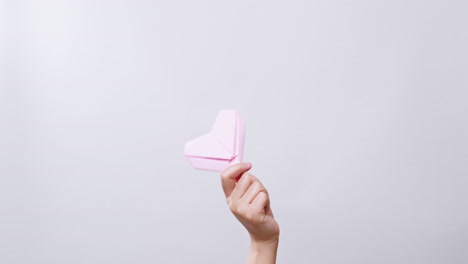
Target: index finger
[229,175]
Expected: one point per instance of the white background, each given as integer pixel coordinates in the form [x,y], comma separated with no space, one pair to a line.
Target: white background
[357,123]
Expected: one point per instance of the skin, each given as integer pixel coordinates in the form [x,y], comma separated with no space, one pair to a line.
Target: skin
[249,202]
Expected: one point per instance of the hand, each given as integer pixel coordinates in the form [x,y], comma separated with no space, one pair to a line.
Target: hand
[249,202]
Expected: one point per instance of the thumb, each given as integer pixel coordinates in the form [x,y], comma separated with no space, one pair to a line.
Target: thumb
[229,175]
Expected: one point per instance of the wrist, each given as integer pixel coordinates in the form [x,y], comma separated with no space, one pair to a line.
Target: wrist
[263,251]
[264,243]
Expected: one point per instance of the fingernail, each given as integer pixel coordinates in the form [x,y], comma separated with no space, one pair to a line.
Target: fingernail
[247,164]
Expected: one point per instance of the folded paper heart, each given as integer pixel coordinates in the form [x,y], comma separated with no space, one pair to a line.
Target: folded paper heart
[222,147]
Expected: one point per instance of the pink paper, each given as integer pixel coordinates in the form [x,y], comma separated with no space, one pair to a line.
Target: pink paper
[222,147]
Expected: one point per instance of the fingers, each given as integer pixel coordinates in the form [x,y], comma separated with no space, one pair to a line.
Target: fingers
[252,192]
[229,175]
[261,201]
[245,181]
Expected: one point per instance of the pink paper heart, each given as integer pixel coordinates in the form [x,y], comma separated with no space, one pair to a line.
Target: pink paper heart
[222,147]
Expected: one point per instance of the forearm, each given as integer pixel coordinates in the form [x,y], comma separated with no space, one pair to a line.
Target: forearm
[263,252]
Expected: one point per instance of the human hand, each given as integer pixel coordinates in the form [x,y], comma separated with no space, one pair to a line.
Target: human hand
[249,202]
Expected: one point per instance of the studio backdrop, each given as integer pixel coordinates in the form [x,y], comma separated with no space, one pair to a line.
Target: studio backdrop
[356,122]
